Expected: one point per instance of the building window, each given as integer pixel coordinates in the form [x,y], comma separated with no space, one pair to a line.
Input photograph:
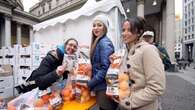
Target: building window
[188,7]
[188,13]
[57,2]
[188,36]
[192,36]
[189,29]
[185,30]
[185,1]
[185,23]
[185,9]
[39,13]
[185,37]
[192,20]
[185,16]
[192,3]
[192,12]
[189,22]
[43,9]
[49,5]
[192,27]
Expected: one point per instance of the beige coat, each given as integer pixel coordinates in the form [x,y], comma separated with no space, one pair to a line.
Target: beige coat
[147,71]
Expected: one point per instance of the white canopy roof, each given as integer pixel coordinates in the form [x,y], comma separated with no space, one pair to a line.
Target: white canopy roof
[89,8]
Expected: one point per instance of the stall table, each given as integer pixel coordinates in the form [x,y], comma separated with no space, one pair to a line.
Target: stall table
[75,105]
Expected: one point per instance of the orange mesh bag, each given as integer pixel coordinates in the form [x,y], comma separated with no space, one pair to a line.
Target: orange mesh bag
[117,77]
[82,76]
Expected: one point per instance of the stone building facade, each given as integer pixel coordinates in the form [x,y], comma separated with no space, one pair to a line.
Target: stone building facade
[189,29]
[47,9]
[15,24]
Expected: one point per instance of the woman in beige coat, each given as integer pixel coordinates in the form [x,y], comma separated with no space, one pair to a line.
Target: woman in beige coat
[145,69]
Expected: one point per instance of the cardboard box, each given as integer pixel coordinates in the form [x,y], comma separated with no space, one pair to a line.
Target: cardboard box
[8,51]
[5,93]
[16,80]
[22,61]
[36,60]
[6,82]
[1,52]
[28,50]
[1,60]
[27,61]
[6,70]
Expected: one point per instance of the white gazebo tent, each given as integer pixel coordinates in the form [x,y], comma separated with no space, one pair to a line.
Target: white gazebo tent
[78,24]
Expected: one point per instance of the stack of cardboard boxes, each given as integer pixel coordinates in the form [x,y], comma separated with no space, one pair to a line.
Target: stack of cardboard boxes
[23,61]
[6,81]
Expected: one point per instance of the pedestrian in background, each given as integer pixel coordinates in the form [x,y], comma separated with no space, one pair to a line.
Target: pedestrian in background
[149,36]
[145,69]
[101,49]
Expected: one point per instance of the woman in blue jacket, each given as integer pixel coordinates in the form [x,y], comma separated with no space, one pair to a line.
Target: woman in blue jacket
[51,68]
[101,49]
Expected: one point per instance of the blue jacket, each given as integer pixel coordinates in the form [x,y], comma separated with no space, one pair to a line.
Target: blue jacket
[100,64]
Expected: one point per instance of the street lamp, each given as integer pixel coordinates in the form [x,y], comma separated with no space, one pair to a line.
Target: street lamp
[128,10]
[154,3]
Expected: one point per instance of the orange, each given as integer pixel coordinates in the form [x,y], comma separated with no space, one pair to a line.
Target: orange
[67,98]
[66,92]
[39,103]
[124,85]
[85,93]
[88,70]
[123,94]
[45,98]
[115,65]
[50,107]
[123,77]
[11,107]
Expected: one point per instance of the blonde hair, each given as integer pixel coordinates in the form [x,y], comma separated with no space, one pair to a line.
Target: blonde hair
[95,39]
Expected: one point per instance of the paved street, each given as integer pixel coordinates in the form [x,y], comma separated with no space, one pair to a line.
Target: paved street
[180,92]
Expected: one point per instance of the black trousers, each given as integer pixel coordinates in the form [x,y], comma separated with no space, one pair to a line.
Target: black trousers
[104,102]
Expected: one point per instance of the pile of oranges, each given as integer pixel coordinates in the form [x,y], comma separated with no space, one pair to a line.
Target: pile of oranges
[39,103]
[45,101]
[84,69]
[68,93]
[124,89]
[75,89]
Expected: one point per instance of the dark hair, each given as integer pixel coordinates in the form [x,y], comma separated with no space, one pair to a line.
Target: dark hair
[137,25]
[70,40]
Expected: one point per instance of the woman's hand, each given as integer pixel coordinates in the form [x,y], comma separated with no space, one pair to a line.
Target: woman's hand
[115,98]
[112,58]
[60,69]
